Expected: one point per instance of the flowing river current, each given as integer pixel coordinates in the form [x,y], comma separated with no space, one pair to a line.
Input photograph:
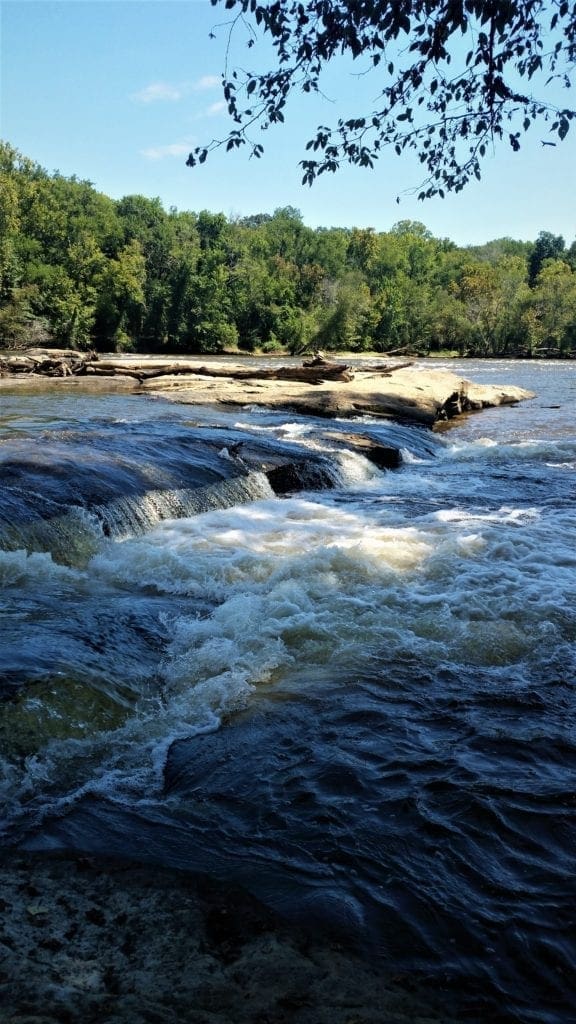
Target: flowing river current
[357,699]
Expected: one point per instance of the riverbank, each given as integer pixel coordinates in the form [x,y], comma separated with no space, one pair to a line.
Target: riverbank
[386,389]
[91,941]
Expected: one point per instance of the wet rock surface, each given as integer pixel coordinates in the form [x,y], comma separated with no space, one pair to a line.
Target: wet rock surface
[87,940]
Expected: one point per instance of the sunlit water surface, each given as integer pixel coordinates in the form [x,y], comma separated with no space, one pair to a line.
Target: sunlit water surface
[358,702]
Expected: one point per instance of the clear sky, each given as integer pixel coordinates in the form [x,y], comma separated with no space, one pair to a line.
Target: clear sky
[119,91]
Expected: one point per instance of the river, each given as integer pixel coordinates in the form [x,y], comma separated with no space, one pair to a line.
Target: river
[356,701]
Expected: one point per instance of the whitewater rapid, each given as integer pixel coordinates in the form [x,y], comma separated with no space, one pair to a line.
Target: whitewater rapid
[358,702]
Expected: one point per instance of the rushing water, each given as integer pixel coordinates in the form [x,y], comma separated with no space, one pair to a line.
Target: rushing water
[358,701]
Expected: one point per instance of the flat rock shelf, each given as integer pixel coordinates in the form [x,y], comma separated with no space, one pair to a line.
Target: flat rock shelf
[96,940]
[405,392]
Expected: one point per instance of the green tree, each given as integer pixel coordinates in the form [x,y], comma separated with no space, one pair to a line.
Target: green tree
[488,294]
[495,249]
[330,247]
[452,78]
[146,222]
[546,247]
[121,298]
[345,323]
[9,228]
[68,308]
[362,249]
[449,326]
[19,325]
[550,311]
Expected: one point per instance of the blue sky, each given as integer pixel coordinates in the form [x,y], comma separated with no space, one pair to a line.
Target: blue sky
[119,91]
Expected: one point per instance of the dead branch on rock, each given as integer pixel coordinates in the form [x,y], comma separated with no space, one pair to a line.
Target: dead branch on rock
[307,374]
[384,369]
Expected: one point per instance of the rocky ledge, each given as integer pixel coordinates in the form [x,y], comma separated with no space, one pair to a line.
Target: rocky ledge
[410,394]
[86,941]
[392,390]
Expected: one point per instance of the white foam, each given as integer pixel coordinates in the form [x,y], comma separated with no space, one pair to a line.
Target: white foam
[284,584]
[505,514]
[410,459]
[22,568]
[322,586]
[486,449]
[356,469]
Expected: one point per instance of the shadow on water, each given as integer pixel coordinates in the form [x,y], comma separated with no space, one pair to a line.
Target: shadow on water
[370,810]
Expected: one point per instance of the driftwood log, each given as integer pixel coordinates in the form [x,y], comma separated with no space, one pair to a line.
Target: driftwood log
[307,374]
[46,363]
[384,370]
[66,364]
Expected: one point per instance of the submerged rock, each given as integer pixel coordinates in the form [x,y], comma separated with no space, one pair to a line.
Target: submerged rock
[385,456]
[87,941]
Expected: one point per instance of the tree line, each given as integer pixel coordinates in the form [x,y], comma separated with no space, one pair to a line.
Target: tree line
[81,270]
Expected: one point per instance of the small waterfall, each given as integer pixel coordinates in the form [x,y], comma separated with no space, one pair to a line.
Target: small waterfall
[64,490]
[129,517]
[70,535]
[73,535]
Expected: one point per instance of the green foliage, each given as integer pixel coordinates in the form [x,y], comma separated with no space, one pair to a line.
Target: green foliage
[81,270]
[550,310]
[452,78]
[546,247]
[19,327]
[345,324]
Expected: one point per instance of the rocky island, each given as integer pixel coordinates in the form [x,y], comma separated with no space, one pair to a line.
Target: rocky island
[319,387]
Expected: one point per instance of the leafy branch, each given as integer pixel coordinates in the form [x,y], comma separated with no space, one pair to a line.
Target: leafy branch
[450,119]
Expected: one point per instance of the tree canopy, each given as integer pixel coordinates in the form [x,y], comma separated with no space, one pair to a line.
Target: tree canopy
[452,78]
[82,270]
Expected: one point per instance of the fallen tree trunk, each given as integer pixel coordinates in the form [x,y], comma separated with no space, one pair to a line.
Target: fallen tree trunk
[62,353]
[59,363]
[17,364]
[315,371]
[307,374]
[384,370]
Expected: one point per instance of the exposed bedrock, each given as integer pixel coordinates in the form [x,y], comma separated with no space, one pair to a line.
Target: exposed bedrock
[410,394]
[404,392]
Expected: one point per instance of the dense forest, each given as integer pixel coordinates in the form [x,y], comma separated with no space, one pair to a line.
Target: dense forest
[81,270]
